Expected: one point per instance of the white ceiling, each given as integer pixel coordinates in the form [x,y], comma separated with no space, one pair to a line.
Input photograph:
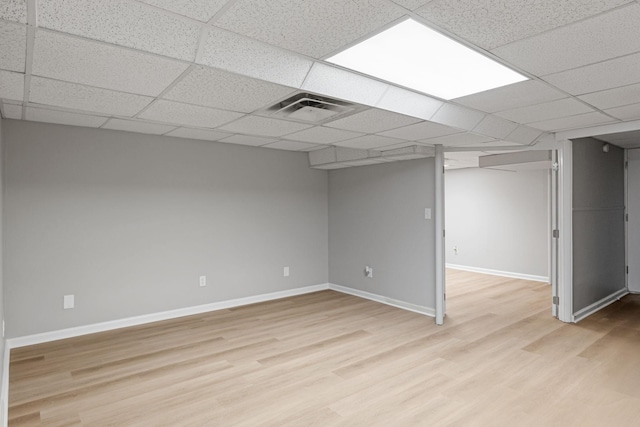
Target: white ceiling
[208,69]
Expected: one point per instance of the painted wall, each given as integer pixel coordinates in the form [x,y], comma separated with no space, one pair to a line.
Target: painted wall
[376,218]
[598,222]
[128,222]
[498,220]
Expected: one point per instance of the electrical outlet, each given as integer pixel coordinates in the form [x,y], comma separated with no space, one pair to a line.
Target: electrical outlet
[69,302]
[427,213]
[286,272]
[368,272]
[203,281]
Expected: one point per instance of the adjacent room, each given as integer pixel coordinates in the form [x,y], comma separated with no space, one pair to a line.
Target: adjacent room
[331,213]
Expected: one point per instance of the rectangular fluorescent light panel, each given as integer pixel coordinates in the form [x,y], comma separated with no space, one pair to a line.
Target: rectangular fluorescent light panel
[415,56]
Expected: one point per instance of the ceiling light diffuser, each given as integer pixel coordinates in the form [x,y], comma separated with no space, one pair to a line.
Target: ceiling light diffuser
[415,56]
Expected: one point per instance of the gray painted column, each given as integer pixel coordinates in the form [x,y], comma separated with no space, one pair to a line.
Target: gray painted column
[439,235]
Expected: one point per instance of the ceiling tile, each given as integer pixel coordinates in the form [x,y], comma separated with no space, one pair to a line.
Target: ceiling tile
[137,126]
[368,142]
[202,10]
[219,89]
[290,145]
[314,28]
[96,64]
[91,99]
[488,145]
[409,103]
[12,111]
[11,85]
[373,121]
[627,112]
[495,127]
[460,117]
[616,97]
[256,141]
[493,23]
[546,111]
[630,139]
[323,135]
[523,135]
[521,94]
[205,135]
[235,53]
[122,22]
[572,122]
[14,10]
[411,4]
[13,47]
[420,131]
[190,115]
[457,139]
[63,117]
[599,38]
[332,81]
[255,125]
[397,146]
[596,77]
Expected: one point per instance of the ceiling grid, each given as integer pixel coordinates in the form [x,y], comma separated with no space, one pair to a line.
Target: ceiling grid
[210,69]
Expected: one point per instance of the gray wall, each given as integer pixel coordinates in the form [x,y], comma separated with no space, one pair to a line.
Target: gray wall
[376,218]
[598,222]
[128,222]
[498,220]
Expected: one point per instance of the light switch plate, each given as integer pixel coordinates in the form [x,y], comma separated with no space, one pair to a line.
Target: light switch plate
[427,213]
[286,272]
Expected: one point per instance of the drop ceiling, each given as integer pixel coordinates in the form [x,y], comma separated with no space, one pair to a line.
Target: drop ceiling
[210,70]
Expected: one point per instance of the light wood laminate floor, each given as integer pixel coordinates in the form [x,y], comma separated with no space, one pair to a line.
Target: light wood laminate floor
[329,359]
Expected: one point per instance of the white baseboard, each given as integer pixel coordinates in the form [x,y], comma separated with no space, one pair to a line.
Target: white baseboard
[172,314]
[4,401]
[599,305]
[531,277]
[428,311]
[156,317]
[188,311]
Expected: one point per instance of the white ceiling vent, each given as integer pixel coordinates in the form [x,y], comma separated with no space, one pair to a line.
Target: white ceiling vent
[308,108]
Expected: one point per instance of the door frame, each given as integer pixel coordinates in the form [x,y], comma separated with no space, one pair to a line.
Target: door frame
[565,227]
[560,247]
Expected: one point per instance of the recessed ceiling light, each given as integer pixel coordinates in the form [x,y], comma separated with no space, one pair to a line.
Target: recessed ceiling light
[415,56]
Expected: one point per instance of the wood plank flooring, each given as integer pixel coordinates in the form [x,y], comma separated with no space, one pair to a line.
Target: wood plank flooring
[329,359]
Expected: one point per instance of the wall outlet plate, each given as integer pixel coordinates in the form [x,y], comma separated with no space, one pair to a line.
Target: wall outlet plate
[368,271]
[286,272]
[203,281]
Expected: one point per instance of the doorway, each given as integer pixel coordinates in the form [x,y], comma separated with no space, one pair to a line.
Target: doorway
[501,221]
[633,223]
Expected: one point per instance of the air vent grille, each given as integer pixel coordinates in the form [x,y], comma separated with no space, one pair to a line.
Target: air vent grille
[310,108]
